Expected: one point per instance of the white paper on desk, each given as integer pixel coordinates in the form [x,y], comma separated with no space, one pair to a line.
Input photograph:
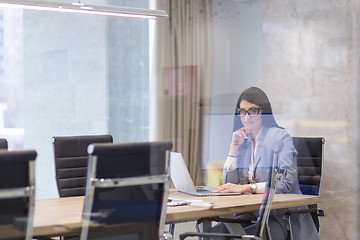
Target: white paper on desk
[177,202]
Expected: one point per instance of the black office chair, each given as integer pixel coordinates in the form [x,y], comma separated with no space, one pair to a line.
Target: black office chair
[262,231]
[3,143]
[310,155]
[127,191]
[71,162]
[17,196]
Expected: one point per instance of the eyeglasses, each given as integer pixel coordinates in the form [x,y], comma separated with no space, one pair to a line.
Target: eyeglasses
[252,112]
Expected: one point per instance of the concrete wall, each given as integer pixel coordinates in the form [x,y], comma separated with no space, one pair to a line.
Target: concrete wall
[305,55]
[311,73]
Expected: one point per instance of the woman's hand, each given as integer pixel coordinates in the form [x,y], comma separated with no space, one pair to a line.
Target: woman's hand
[238,138]
[230,187]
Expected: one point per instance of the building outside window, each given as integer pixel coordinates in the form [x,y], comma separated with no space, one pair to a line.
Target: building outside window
[71,74]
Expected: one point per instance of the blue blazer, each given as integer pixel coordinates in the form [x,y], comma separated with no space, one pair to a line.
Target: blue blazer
[302,224]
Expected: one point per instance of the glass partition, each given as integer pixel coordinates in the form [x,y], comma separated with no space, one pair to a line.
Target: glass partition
[69,74]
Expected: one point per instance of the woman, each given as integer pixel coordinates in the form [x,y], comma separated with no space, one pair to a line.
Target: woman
[255,135]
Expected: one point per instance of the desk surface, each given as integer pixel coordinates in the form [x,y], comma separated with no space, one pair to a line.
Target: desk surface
[63,215]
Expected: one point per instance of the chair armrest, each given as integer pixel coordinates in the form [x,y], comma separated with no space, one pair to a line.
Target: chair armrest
[216,235]
[321,213]
[318,211]
[228,220]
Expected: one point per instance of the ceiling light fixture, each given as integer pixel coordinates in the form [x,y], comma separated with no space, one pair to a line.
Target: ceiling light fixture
[83,8]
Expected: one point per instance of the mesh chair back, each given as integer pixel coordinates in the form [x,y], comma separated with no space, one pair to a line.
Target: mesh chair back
[71,162]
[3,143]
[309,162]
[127,194]
[17,185]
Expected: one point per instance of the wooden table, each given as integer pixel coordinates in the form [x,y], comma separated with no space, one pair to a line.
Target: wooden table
[63,215]
[224,205]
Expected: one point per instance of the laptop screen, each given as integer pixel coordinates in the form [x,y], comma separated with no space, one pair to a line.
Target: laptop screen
[180,174]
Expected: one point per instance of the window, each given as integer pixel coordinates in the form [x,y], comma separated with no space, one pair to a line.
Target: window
[71,74]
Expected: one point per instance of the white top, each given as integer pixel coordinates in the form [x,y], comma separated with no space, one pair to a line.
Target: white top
[231,164]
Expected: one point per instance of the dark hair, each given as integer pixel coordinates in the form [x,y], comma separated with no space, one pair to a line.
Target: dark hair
[256,96]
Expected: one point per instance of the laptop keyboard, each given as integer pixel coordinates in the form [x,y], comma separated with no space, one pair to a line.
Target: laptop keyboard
[203,190]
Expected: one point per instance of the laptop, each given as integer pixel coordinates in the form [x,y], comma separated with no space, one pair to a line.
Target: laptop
[181,178]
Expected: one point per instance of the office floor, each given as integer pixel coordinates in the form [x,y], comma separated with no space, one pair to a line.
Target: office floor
[183,227]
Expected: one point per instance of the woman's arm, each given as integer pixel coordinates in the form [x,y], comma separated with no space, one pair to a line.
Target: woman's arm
[230,170]
[287,162]
[231,187]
